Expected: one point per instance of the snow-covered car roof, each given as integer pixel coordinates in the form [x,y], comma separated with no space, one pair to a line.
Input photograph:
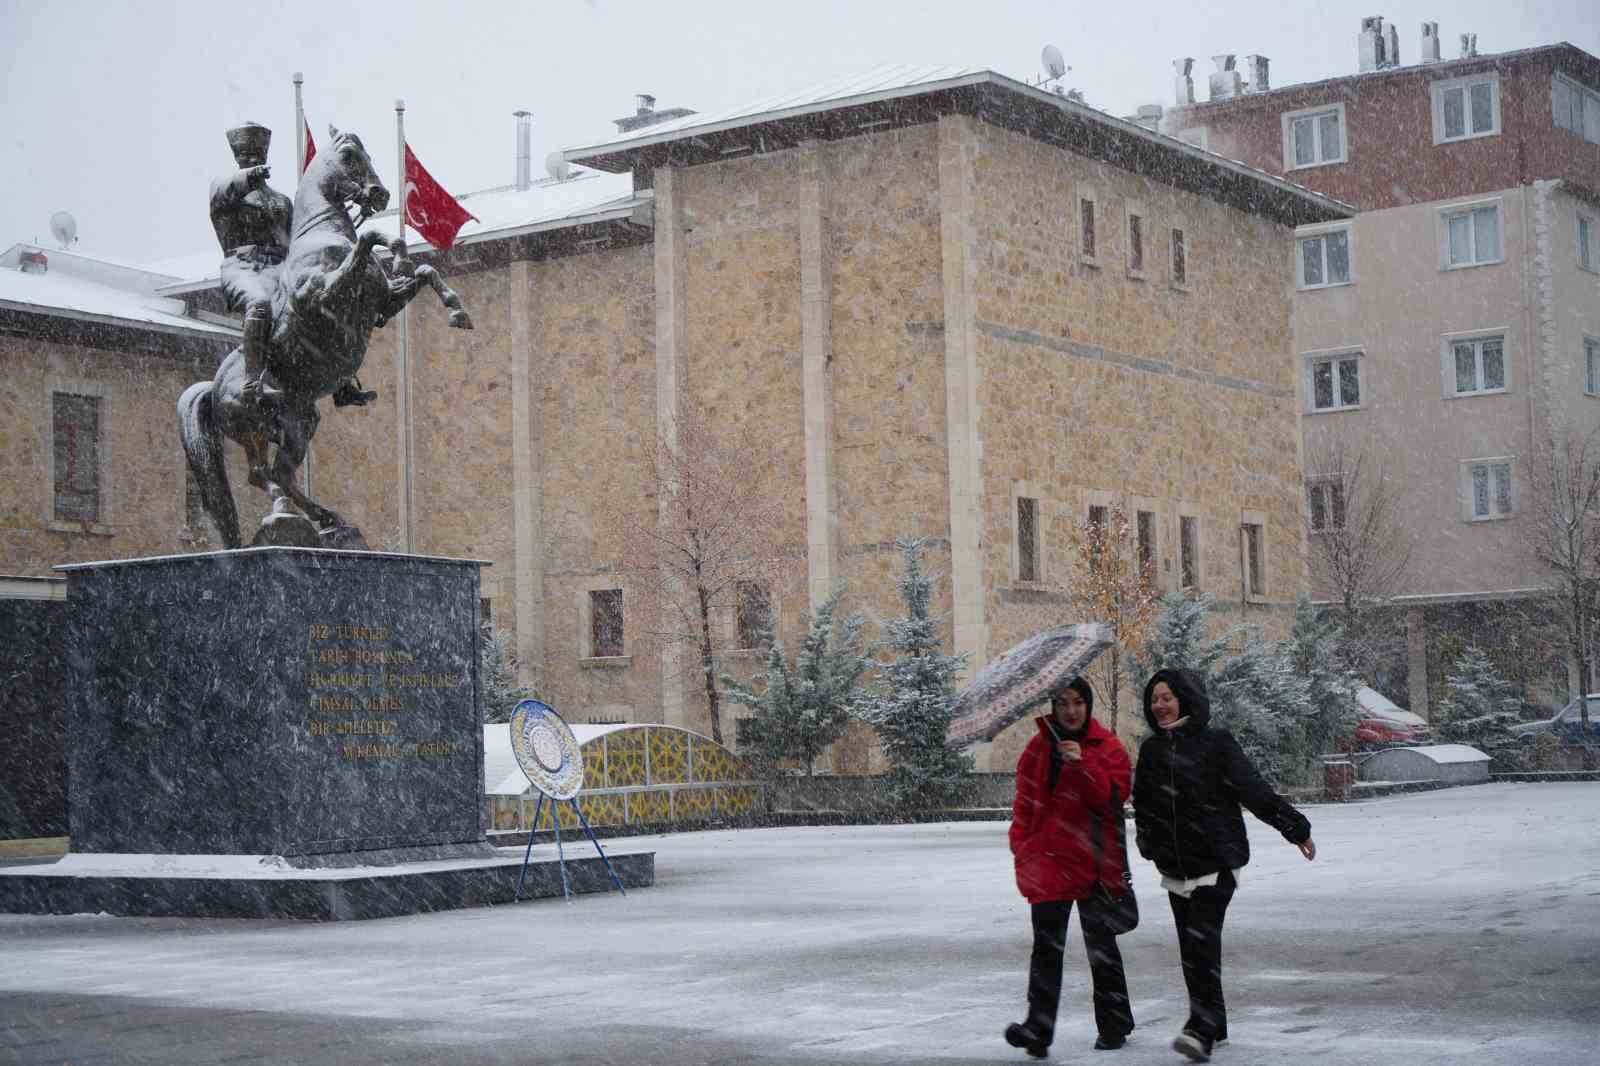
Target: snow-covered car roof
[1377,705]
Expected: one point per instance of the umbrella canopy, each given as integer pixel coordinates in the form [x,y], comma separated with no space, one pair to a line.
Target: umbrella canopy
[1027,674]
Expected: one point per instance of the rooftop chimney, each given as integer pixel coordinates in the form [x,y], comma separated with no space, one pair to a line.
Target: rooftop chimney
[1225,81]
[645,114]
[1372,44]
[1183,83]
[524,150]
[1391,46]
[1469,45]
[1430,42]
[1147,115]
[1257,66]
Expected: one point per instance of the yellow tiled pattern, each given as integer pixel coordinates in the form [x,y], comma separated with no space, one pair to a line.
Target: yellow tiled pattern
[714,763]
[669,757]
[594,766]
[624,758]
[690,803]
[649,807]
[738,801]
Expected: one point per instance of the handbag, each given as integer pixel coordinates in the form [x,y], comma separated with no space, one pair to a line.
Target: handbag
[1115,914]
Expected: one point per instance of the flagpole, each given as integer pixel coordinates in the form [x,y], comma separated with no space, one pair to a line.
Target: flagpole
[299,172]
[402,356]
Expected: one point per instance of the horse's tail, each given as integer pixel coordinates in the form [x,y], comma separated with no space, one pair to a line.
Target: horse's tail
[202,446]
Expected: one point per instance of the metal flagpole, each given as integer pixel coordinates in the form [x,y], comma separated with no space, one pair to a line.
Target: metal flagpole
[402,358]
[299,172]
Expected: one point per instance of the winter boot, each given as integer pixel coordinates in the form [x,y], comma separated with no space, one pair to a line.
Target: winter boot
[1028,1039]
[1192,1045]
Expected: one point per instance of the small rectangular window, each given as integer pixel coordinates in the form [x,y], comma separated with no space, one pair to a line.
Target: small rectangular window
[1577,108]
[1327,505]
[1586,248]
[1146,524]
[752,614]
[1180,263]
[1253,560]
[1478,365]
[1472,236]
[1135,244]
[1491,489]
[1314,137]
[1591,363]
[1189,551]
[1086,226]
[75,433]
[605,623]
[1325,260]
[1466,107]
[1335,382]
[1027,539]
[1098,517]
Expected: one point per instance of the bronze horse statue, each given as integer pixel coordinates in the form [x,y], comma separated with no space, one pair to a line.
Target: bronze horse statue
[332,292]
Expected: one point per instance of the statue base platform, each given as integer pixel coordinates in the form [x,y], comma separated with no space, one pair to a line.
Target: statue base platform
[269,886]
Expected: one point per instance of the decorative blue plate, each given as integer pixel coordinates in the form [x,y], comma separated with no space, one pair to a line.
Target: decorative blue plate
[546,749]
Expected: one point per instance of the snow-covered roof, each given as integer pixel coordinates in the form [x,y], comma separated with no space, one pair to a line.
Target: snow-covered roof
[67,289]
[1448,753]
[1289,201]
[501,774]
[1378,705]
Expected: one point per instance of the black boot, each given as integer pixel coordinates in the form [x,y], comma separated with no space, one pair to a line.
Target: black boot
[1028,1039]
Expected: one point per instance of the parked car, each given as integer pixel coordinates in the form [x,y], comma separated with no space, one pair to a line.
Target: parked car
[1567,725]
[1385,725]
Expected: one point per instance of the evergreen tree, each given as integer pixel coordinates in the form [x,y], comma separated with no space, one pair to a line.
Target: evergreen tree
[910,706]
[497,675]
[803,708]
[1316,650]
[1479,706]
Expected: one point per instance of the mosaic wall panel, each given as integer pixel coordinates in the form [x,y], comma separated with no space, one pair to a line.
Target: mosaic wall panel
[714,763]
[669,757]
[564,813]
[649,806]
[734,802]
[691,803]
[624,757]
[604,810]
[506,812]
[594,764]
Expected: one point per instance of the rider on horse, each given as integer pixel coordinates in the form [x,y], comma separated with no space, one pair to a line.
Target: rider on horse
[252,222]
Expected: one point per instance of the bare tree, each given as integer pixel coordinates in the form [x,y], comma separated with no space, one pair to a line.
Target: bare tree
[1118,586]
[1564,507]
[1359,545]
[713,547]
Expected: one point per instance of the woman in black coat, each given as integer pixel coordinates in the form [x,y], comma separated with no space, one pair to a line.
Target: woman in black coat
[1187,790]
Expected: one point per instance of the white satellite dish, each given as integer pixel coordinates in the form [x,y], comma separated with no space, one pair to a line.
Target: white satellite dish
[557,167]
[1055,64]
[65,228]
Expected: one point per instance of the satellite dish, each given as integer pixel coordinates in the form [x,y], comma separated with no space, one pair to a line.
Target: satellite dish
[557,167]
[65,228]
[1055,64]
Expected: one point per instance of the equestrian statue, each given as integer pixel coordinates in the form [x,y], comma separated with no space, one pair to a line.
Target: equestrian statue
[311,292]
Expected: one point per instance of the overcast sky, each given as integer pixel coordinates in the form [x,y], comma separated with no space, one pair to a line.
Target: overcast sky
[116,111]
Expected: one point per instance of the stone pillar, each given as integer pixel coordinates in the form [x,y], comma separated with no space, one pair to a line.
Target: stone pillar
[816,349]
[1417,661]
[957,199]
[670,307]
[527,485]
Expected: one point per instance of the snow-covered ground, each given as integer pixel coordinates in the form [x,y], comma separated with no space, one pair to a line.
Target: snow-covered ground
[1448,927]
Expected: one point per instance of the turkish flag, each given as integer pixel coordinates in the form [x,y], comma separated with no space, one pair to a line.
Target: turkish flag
[430,210]
[311,150]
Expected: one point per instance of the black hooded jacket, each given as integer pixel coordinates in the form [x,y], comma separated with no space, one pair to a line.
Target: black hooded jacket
[1189,785]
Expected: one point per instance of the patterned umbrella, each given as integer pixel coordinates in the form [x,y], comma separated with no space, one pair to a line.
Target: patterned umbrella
[1022,677]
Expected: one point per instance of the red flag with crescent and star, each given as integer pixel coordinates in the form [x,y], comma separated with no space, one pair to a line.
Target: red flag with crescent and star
[311,150]
[430,210]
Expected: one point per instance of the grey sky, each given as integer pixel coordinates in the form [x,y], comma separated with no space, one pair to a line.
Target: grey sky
[116,112]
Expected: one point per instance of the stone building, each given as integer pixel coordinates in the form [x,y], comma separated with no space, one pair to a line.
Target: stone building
[1451,329]
[957,306]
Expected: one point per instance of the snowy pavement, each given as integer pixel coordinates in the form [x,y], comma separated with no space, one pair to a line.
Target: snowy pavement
[1440,928]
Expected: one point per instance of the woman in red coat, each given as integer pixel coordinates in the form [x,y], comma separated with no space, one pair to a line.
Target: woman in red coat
[1065,782]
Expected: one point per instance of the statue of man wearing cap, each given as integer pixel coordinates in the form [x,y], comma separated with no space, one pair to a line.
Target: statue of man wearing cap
[252,222]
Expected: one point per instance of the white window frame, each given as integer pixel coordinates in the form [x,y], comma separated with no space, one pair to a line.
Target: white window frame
[1134,209]
[1563,90]
[1468,504]
[1320,481]
[1588,245]
[1438,90]
[1468,209]
[1323,159]
[1447,360]
[1312,359]
[1320,233]
[1591,365]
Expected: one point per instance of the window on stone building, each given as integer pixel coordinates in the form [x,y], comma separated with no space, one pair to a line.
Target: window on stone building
[1135,243]
[1027,539]
[1180,258]
[1313,137]
[1475,365]
[1591,366]
[1099,516]
[1471,235]
[1466,107]
[1255,564]
[1324,259]
[75,436]
[1577,108]
[1145,526]
[485,611]
[1326,497]
[1086,227]
[1486,488]
[752,614]
[1189,551]
[605,623]
[1333,381]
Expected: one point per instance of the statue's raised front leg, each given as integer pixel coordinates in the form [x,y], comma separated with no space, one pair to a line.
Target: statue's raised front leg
[459,319]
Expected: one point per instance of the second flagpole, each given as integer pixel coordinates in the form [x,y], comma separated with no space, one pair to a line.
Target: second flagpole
[402,358]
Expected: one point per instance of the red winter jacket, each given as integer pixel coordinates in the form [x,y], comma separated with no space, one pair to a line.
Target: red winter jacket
[1050,830]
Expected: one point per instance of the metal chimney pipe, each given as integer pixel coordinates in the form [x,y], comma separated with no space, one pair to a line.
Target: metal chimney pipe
[524,149]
